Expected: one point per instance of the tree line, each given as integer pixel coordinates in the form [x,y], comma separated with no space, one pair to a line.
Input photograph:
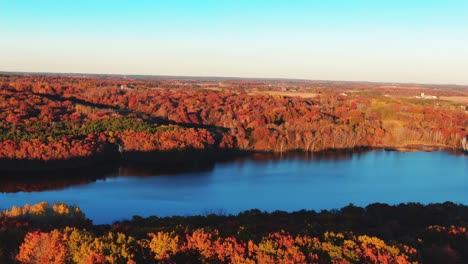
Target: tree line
[378,233]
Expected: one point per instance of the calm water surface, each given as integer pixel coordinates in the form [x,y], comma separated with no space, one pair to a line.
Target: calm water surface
[291,183]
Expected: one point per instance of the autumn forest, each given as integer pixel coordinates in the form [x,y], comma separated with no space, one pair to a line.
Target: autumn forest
[59,118]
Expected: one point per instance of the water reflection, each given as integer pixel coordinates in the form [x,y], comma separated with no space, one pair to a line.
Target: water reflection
[331,155]
[13,182]
[57,180]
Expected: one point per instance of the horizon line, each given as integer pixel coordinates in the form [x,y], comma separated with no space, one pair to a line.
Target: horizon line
[67,74]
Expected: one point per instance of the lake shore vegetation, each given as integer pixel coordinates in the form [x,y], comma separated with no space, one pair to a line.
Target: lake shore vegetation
[46,119]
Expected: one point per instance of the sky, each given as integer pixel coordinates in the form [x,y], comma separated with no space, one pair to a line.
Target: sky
[419,41]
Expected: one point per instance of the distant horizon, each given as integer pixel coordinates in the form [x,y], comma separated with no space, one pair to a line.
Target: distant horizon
[394,41]
[161,76]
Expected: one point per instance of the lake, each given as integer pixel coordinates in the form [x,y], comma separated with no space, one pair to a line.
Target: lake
[291,182]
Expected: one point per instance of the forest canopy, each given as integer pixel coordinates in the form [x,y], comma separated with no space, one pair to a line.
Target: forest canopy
[59,117]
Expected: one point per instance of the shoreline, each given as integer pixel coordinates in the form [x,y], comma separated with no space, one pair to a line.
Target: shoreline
[409,232]
[199,158]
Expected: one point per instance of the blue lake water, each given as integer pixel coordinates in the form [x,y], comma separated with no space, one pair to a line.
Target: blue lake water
[290,183]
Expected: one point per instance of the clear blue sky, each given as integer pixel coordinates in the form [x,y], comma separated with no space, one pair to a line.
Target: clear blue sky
[378,40]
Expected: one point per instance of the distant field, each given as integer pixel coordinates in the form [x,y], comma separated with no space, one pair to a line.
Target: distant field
[457,99]
[273,93]
[288,93]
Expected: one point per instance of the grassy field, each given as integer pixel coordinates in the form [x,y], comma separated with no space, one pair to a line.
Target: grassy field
[456,99]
